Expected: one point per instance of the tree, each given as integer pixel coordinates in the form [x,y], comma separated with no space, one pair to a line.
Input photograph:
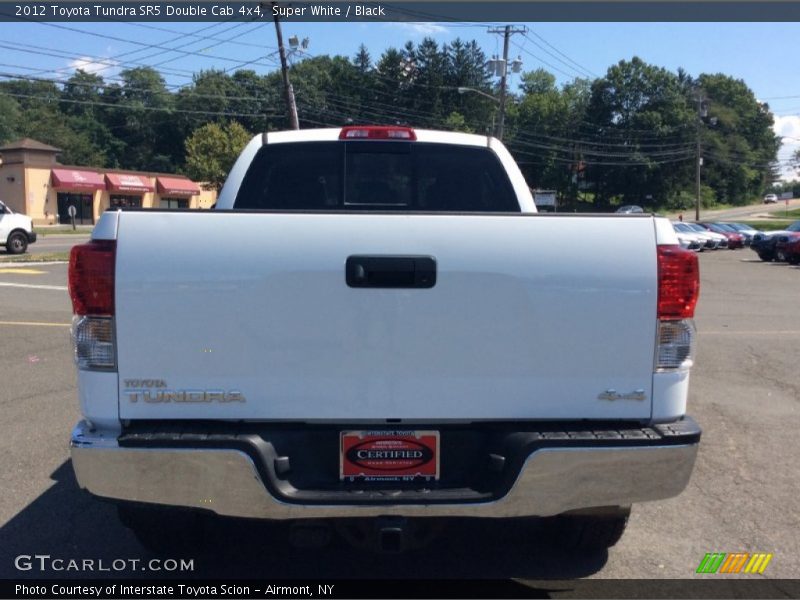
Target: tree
[740,148]
[212,149]
[429,75]
[32,110]
[642,127]
[393,76]
[362,60]
[10,117]
[254,94]
[455,121]
[80,94]
[465,68]
[543,129]
[140,115]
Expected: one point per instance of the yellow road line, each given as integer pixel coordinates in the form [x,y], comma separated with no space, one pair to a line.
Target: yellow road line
[21,271]
[30,286]
[34,324]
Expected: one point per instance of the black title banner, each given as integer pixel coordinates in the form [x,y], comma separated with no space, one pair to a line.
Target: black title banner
[186,589]
[284,589]
[414,11]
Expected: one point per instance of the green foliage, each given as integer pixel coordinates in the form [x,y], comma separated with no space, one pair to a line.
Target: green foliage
[786,186]
[628,137]
[769,224]
[685,200]
[212,149]
[455,122]
[740,146]
[10,117]
[644,115]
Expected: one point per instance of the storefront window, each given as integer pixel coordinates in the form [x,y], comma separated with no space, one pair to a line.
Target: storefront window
[82,204]
[174,203]
[121,201]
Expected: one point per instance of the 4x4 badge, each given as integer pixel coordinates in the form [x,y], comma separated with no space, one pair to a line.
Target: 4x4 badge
[614,395]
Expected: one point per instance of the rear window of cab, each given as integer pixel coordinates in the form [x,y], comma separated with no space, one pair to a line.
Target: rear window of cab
[376,175]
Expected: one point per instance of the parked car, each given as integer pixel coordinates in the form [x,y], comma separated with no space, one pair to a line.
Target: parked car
[689,241]
[630,210]
[707,242]
[721,239]
[748,232]
[735,239]
[791,251]
[765,242]
[783,245]
[770,199]
[716,240]
[16,231]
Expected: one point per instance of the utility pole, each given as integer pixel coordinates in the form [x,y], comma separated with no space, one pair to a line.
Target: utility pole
[701,112]
[288,91]
[507,32]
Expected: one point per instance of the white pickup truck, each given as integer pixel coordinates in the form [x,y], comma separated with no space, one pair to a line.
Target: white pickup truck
[16,231]
[375,325]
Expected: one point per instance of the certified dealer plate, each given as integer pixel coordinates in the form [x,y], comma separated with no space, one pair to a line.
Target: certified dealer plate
[389,455]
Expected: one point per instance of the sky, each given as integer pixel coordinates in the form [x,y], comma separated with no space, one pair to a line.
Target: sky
[764,55]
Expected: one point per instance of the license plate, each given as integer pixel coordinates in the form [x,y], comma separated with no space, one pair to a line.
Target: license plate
[389,455]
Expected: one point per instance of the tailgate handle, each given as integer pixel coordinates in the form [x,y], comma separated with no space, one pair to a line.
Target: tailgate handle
[390,271]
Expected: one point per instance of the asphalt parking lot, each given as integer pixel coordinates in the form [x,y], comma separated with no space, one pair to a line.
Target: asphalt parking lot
[743,496]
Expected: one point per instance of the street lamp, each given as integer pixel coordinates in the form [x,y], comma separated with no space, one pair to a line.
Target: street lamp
[464,90]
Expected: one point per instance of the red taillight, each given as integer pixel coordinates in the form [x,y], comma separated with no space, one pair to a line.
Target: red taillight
[678,282]
[91,278]
[377,132]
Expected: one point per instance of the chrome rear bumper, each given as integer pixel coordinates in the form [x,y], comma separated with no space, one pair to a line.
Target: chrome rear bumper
[227,481]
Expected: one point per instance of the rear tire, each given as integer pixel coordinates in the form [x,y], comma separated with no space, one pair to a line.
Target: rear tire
[164,530]
[589,533]
[766,256]
[17,243]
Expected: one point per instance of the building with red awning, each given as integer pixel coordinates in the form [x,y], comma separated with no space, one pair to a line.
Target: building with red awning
[74,179]
[128,182]
[32,182]
[176,186]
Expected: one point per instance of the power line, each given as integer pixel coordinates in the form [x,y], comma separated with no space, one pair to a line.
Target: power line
[144,45]
[195,35]
[604,154]
[44,51]
[544,62]
[113,60]
[47,52]
[581,67]
[133,108]
[602,163]
[585,142]
[179,48]
[637,157]
[149,91]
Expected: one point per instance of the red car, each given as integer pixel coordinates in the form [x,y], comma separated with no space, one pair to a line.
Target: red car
[735,239]
[788,248]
